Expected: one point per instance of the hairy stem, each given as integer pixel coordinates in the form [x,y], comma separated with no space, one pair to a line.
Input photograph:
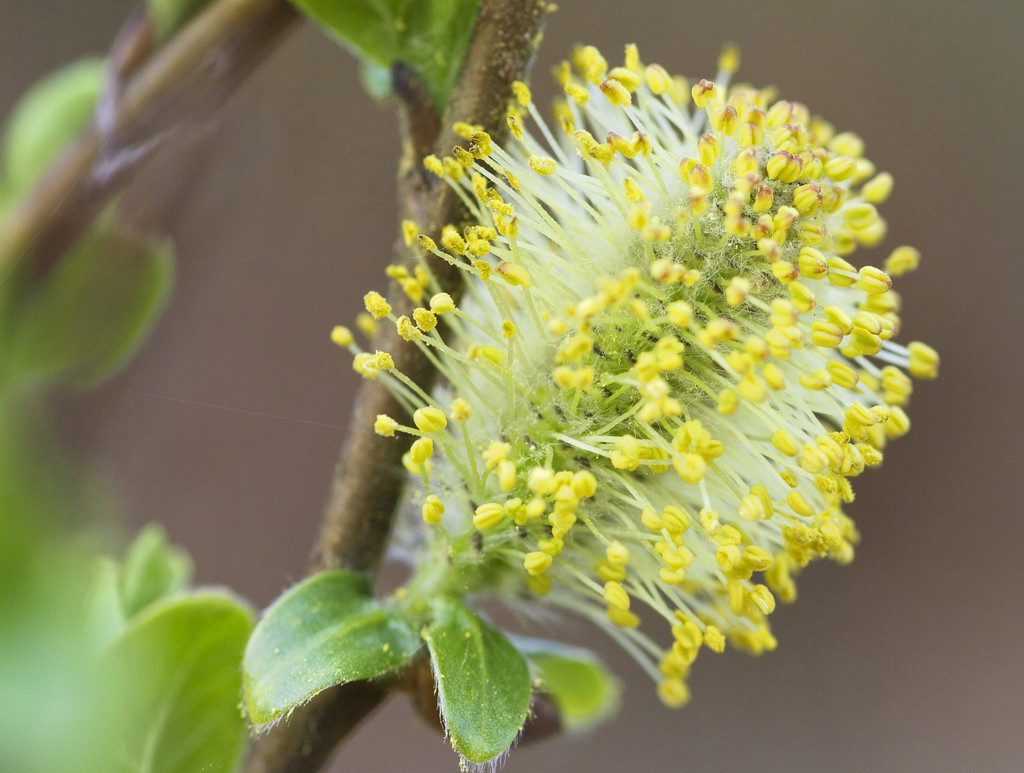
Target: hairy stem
[368,480]
[185,80]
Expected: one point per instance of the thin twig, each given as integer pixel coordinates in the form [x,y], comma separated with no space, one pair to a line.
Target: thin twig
[188,78]
[368,480]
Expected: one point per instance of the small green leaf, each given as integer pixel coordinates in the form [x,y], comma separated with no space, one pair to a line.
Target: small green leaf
[176,672]
[104,612]
[582,687]
[93,311]
[483,682]
[430,36]
[327,630]
[153,569]
[45,119]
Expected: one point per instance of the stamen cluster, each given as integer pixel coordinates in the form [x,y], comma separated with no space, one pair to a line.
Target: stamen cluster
[665,371]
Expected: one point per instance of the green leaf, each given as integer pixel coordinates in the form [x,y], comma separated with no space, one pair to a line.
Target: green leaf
[327,630]
[153,569]
[430,36]
[46,118]
[104,613]
[93,311]
[483,682]
[583,688]
[176,672]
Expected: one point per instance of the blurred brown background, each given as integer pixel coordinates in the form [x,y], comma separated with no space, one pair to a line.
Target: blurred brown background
[226,426]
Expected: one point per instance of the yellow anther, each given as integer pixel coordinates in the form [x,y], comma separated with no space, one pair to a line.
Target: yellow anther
[812,263]
[924,360]
[902,260]
[737,597]
[898,423]
[783,166]
[492,354]
[460,409]
[409,231]
[376,305]
[799,504]
[784,441]
[615,596]
[421,450]
[384,425]
[873,280]
[536,562]
[381,361]
[725,119]
[577,93]
[406,329]
[763,599]
[703,92]
[752,508]
[433,509]
[745,162]
[434,165]
[675,519]
[657,78]
[674,693]
[839,271]
[488,515]
[847,144]
[453,168]
[737,290]
[826,334]
[539,585]
[464,130]
[521,92]
[496,452]
[749,135]
[426,320]
[807,198]
[623,617]
[429,419]
[632,57]
[342,336]
[616,92]
[584,484]
[649,518]
[542,164]
[633,191]
[877,189]
[817,379]
[515,125]
[842,374]
[708,149]
[617,554]
[514,274]
[690,467]
[840,168]
[729,59]
[452,241]
[627,77]
[506,473]
[763,199]
[442,303]
[463,157]
[714,639]
[802,295]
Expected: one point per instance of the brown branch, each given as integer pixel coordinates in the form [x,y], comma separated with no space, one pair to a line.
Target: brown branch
[184,81]
[368,480]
